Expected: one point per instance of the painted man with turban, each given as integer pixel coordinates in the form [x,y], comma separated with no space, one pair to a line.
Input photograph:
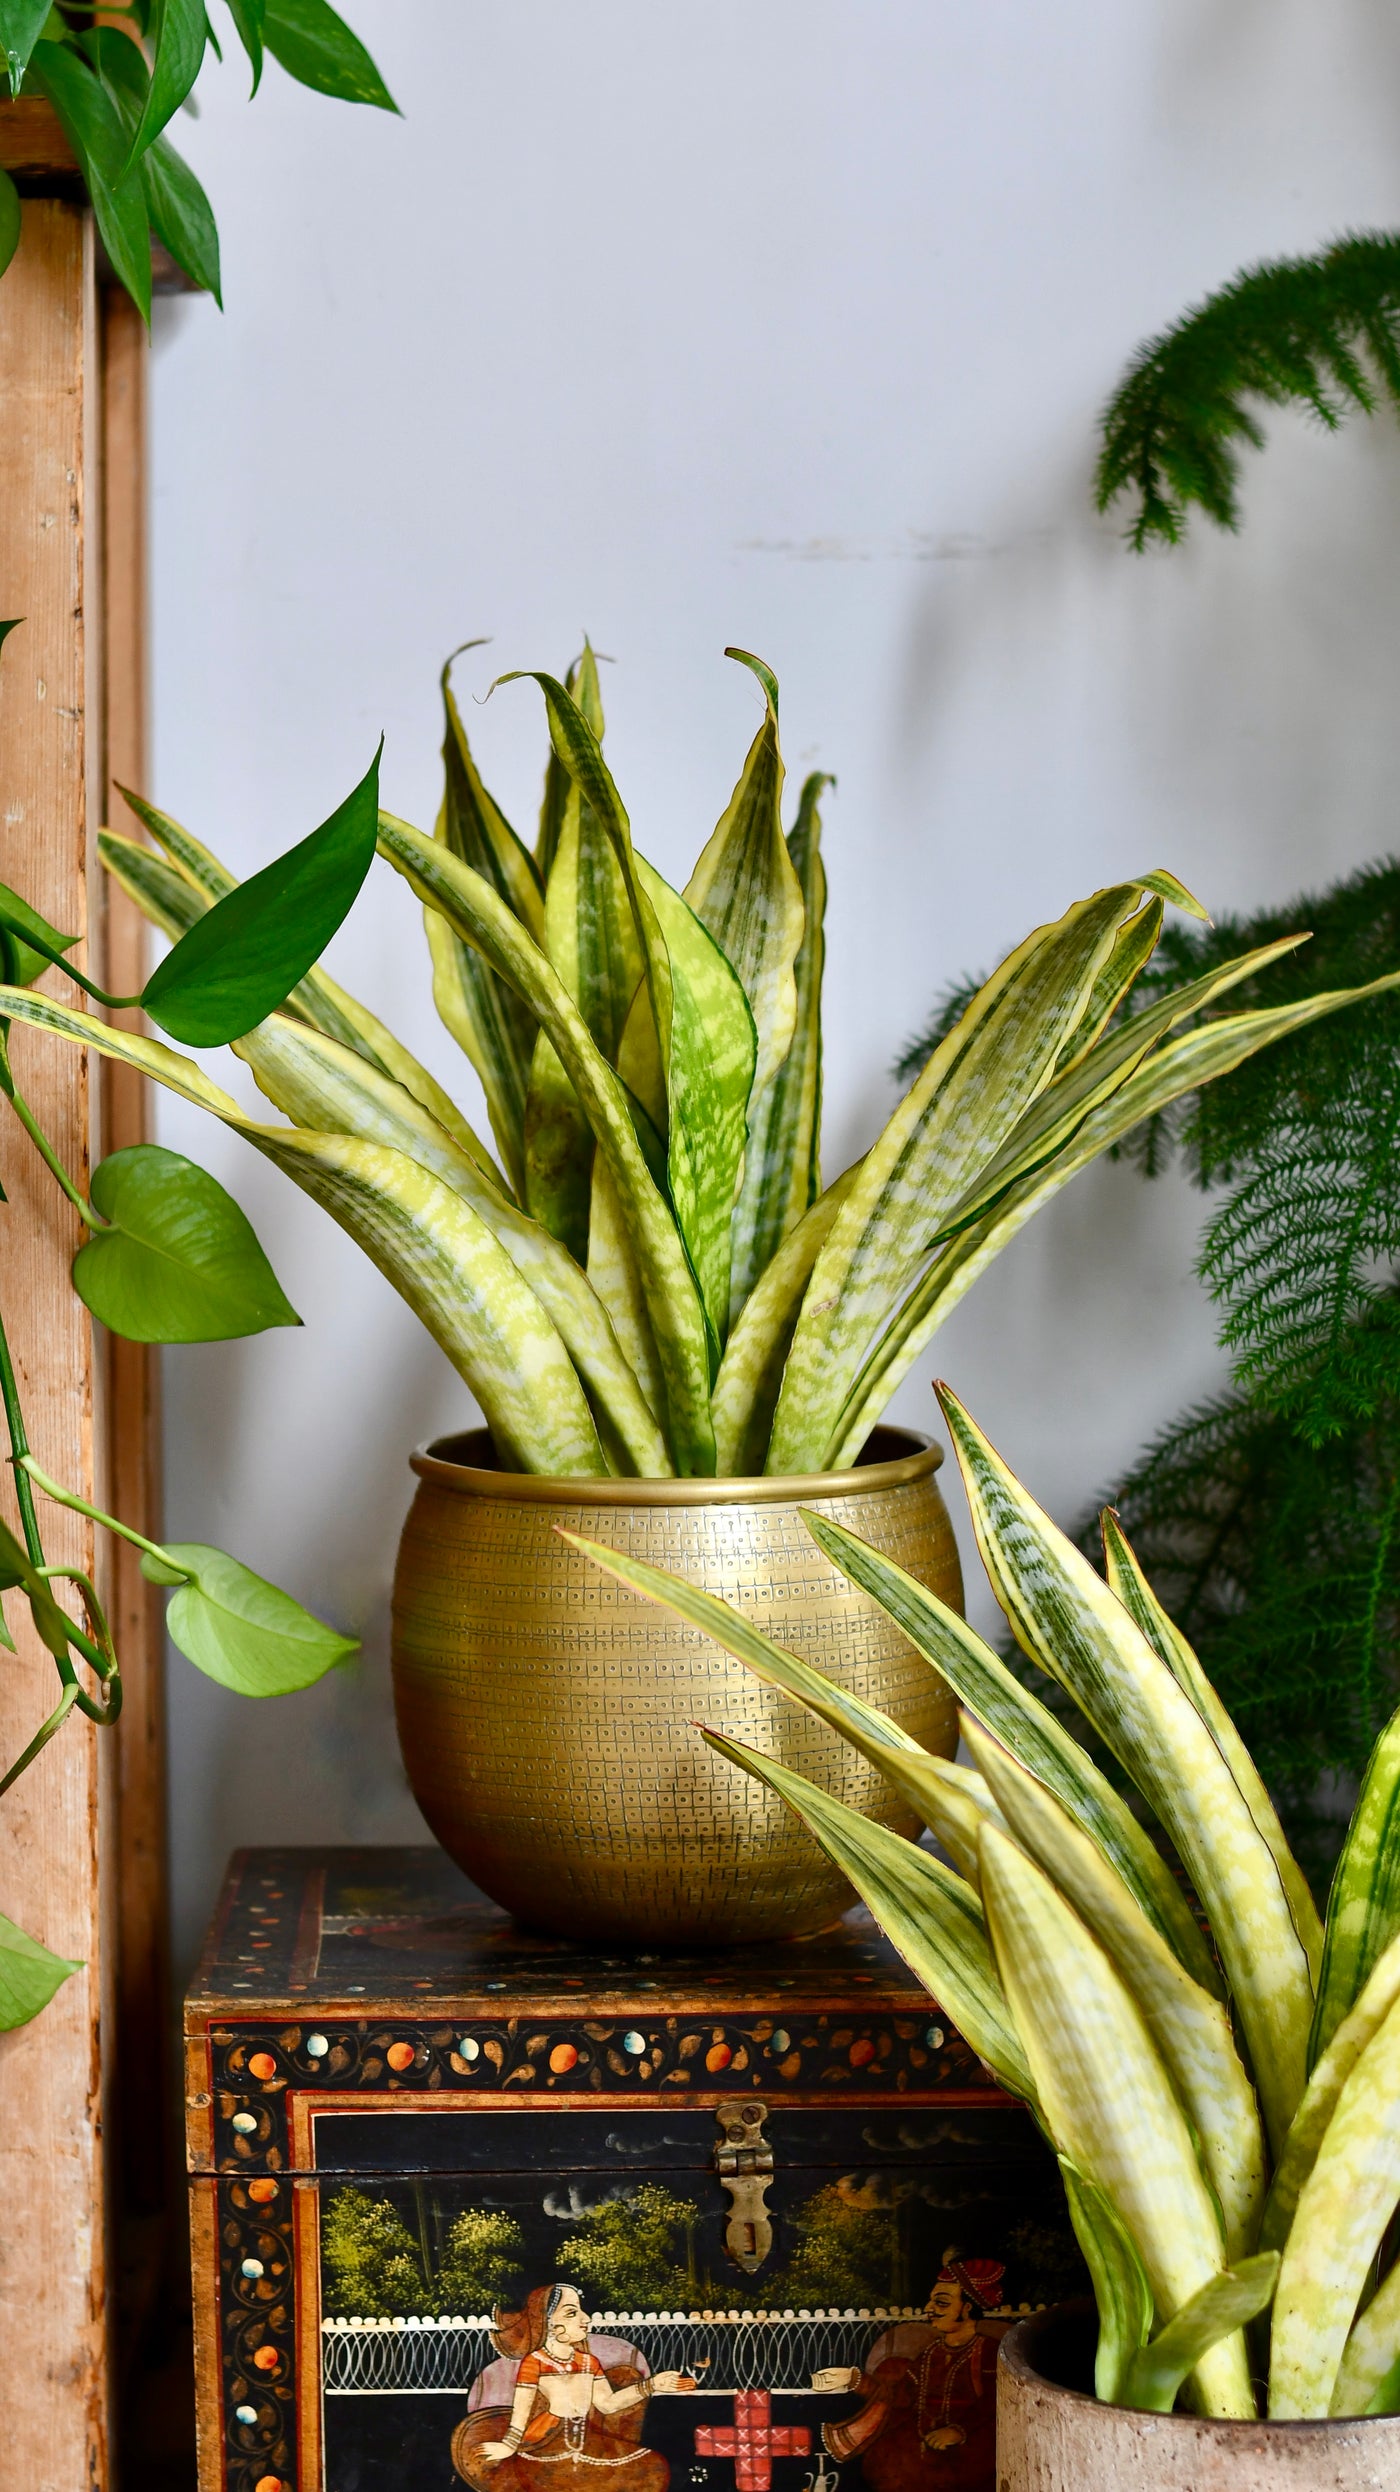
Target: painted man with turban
[928,2418]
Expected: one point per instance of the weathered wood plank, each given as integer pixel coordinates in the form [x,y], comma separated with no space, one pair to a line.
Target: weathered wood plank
[53,2232]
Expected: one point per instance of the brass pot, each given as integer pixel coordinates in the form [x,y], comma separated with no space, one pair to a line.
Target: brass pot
[1052,2436]
[546,1714]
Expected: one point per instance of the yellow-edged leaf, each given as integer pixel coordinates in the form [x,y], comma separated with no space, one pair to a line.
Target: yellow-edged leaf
[1344,2208]
[751,1370]
[1314,2113]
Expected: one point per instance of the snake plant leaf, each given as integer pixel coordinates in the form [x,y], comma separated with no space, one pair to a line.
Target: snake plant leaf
[925,1910]
[238,1628]
[29,1975]
[19,960]
[1190,2028]
[1121,2290]
[1106,2097]
[435,1250]
[707,1045]
[673,1304]
[1066,1619]
[174,889]
[1133,949]
[486,1015]
[21,24]
[238,961]
[316,47]
[1344,2208]
[751,1370]
[582,685]
[1363,1909]
[1130,1586]
[959,1112]
[782,1176]
[176,32]
[1314,2113]
[745,891]
[616,1280]
[1368,2376]
[1166,1073]
[96,132]
[920,1780]
[981,1682]
[177,1260]
[325,1088]
[1156,2372]
[591,938]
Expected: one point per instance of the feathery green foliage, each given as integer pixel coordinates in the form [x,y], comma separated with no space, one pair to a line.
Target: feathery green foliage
[1321,333]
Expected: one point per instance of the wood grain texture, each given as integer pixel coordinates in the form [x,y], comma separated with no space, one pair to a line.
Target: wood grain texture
[137,1836]
[32,144]
[53,2236]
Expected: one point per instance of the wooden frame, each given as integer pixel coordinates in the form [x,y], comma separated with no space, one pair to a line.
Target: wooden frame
[82,1837]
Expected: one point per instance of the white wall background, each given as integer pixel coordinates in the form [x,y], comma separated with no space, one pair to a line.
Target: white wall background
[782,322]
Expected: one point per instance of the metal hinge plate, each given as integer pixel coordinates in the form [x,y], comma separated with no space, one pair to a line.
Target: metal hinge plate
[744,2162]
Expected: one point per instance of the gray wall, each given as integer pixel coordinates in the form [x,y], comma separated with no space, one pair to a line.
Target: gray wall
[785,324]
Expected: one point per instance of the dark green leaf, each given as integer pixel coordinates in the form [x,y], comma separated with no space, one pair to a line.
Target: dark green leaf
[177,33]
[21,24]
[12,626]
[247,16]
[29,1975]
[95,131]
[238,1628]
[179,1262]
[9,235]
[317,47]
[238,963]
[181,214]
[22,964]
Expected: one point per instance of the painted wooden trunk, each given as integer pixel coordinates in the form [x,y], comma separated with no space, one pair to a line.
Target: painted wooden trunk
[475,2208]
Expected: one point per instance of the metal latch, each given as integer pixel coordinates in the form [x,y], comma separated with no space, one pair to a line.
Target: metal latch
[744,2162]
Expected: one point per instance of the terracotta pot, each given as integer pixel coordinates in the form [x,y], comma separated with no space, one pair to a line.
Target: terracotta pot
[547,1715]
[1053,2436]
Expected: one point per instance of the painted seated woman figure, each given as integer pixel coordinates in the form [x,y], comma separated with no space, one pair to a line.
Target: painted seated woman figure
[571,2422]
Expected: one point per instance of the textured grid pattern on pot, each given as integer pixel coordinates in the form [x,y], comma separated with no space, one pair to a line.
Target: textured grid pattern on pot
[546,1713]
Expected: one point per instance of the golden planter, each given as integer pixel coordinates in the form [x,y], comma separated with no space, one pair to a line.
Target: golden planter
[546,1714]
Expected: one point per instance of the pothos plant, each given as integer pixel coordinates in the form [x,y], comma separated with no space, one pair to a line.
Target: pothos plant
[1222,2101]
[651,1278]
[117,71]
[169,1258]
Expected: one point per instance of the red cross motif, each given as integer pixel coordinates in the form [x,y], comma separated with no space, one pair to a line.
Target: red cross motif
[753,2441]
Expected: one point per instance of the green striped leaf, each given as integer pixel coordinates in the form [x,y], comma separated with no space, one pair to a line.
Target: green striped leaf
[487,1016]
[1106,2097]
[961,1109]
[1221,2307]
[476,913]
[927,1911]
[747,896]
[1344,2208]
[1129,1585]
[1190,2028]
[614,1276]
[436,1251]
[1136,942]
[324,1088]
[921,1780]
[1363,1909]
[173,890]
[1167,1073]
[982,1682]
[782,1176]
[1368,2378]
[1064,1616]
[751,1370]
[1314,2113]
[1121,2290]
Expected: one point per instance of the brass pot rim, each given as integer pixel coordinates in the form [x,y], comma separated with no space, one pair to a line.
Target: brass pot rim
[435,1462]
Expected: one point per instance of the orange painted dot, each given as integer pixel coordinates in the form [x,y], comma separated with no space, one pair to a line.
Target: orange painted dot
[262,2065]
[260,2191]
[792,2065]
[266,2358]
[269,2483]
[562,2058]
[401,2055]
[718,2056]
[861,2052]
